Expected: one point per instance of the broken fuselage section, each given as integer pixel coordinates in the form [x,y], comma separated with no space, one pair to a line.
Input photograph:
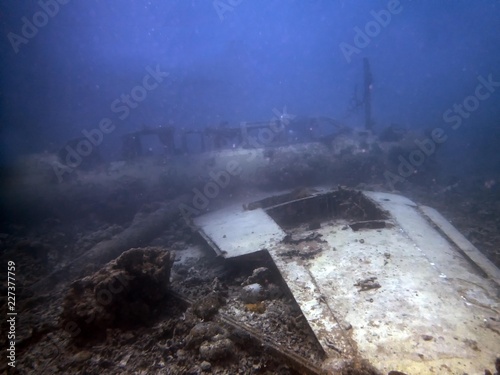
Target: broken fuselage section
[374,274]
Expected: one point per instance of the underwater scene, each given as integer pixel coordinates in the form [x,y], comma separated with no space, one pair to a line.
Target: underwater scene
[250,187]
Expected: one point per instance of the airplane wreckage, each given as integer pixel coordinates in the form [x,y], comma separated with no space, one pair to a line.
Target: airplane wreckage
[374,274]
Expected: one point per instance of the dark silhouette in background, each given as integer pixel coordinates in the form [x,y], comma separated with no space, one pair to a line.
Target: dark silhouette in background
[62,76]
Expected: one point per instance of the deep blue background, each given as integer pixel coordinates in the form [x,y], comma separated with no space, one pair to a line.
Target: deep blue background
[263,54]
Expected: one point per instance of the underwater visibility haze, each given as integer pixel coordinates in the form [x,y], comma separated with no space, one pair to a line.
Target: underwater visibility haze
[170,169]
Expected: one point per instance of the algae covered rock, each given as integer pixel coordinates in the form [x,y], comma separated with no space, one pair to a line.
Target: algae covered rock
[126,292]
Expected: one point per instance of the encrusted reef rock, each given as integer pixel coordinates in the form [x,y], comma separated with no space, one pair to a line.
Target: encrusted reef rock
[125,293]
[207,306]
[211,340]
